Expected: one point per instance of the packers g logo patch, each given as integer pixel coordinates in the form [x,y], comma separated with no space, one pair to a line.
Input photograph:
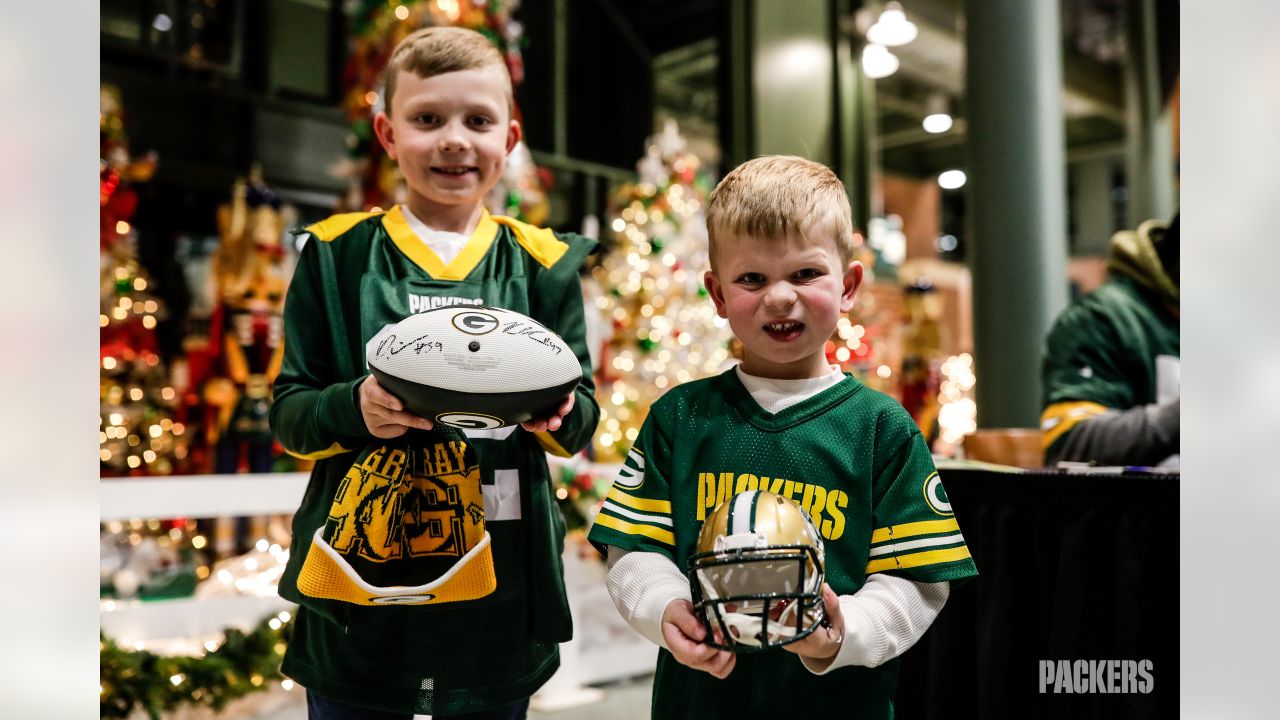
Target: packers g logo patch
[474,322]
[631,476]
[936,496]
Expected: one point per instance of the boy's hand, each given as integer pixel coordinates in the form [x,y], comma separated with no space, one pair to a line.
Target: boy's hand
[552,421]
[684,634]
[821,645]
[384,414]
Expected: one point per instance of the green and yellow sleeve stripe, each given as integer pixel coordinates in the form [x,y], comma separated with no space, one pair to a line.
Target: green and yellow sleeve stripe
[916,545]
[1060,417]
[637,516]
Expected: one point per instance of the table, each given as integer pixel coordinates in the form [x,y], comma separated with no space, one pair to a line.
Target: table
[1071,567]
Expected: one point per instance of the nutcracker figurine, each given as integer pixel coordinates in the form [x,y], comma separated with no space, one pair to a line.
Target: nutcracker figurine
[247,326]
[923,342]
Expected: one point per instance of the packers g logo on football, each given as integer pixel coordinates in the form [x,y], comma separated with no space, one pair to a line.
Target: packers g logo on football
[469,421]
[936,496]
[474,322]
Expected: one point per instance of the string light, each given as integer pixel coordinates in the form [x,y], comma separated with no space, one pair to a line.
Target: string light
[450,8]
[957,414]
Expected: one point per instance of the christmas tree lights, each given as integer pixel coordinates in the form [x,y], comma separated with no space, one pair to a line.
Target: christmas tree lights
[665,330]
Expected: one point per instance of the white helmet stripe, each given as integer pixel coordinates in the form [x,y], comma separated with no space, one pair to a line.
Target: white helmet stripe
[740,515]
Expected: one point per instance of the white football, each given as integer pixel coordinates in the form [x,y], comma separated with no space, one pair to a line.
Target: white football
[474,366]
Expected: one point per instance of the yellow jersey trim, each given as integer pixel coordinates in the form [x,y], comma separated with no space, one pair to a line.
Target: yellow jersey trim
[635,503]
[663,536]
[541,243]
[410,244]
[334,449]
[924,527]
[1060,417]
[333,226]
[929,557]
[549,444]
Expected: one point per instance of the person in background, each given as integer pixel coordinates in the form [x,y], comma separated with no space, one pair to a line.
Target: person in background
[1111,362]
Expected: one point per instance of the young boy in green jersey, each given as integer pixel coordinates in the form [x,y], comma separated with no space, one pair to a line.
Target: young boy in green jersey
[448,123]
[787,422]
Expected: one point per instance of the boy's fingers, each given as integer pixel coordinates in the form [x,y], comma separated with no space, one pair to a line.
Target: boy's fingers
[386,432]
[378,395]
[690,626]
[722,664]
[552,422]
[410,420]
[689,647]
[830,598]
[698,655]
[381,416]
[567,405]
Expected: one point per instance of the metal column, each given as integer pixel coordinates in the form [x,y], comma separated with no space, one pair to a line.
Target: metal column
[1149,170]
[1016,193]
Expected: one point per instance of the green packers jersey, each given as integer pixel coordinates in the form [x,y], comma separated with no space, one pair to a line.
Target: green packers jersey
[356,274]
[851,457]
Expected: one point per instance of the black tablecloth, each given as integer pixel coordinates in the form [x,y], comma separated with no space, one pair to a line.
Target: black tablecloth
[1071,567]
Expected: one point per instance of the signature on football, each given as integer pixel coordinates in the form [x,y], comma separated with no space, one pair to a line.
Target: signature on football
[391,345]
[535,333]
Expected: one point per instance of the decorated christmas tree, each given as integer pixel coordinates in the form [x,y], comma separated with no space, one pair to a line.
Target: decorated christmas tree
[665,330]
[138,433]
[376,27]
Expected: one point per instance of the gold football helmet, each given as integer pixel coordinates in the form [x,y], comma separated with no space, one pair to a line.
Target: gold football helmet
[757,574]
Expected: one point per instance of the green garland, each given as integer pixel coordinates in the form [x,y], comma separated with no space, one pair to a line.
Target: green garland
[241,665]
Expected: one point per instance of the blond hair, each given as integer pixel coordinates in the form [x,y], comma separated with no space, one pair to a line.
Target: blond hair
[776,197]
[438,50]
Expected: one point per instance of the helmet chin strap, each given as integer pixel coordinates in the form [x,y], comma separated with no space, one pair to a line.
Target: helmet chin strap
[750,626]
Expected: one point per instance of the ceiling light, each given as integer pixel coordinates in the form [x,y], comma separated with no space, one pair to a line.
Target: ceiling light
[938,113]
[893,28]
[951,179]
[878,62]
[937,123]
